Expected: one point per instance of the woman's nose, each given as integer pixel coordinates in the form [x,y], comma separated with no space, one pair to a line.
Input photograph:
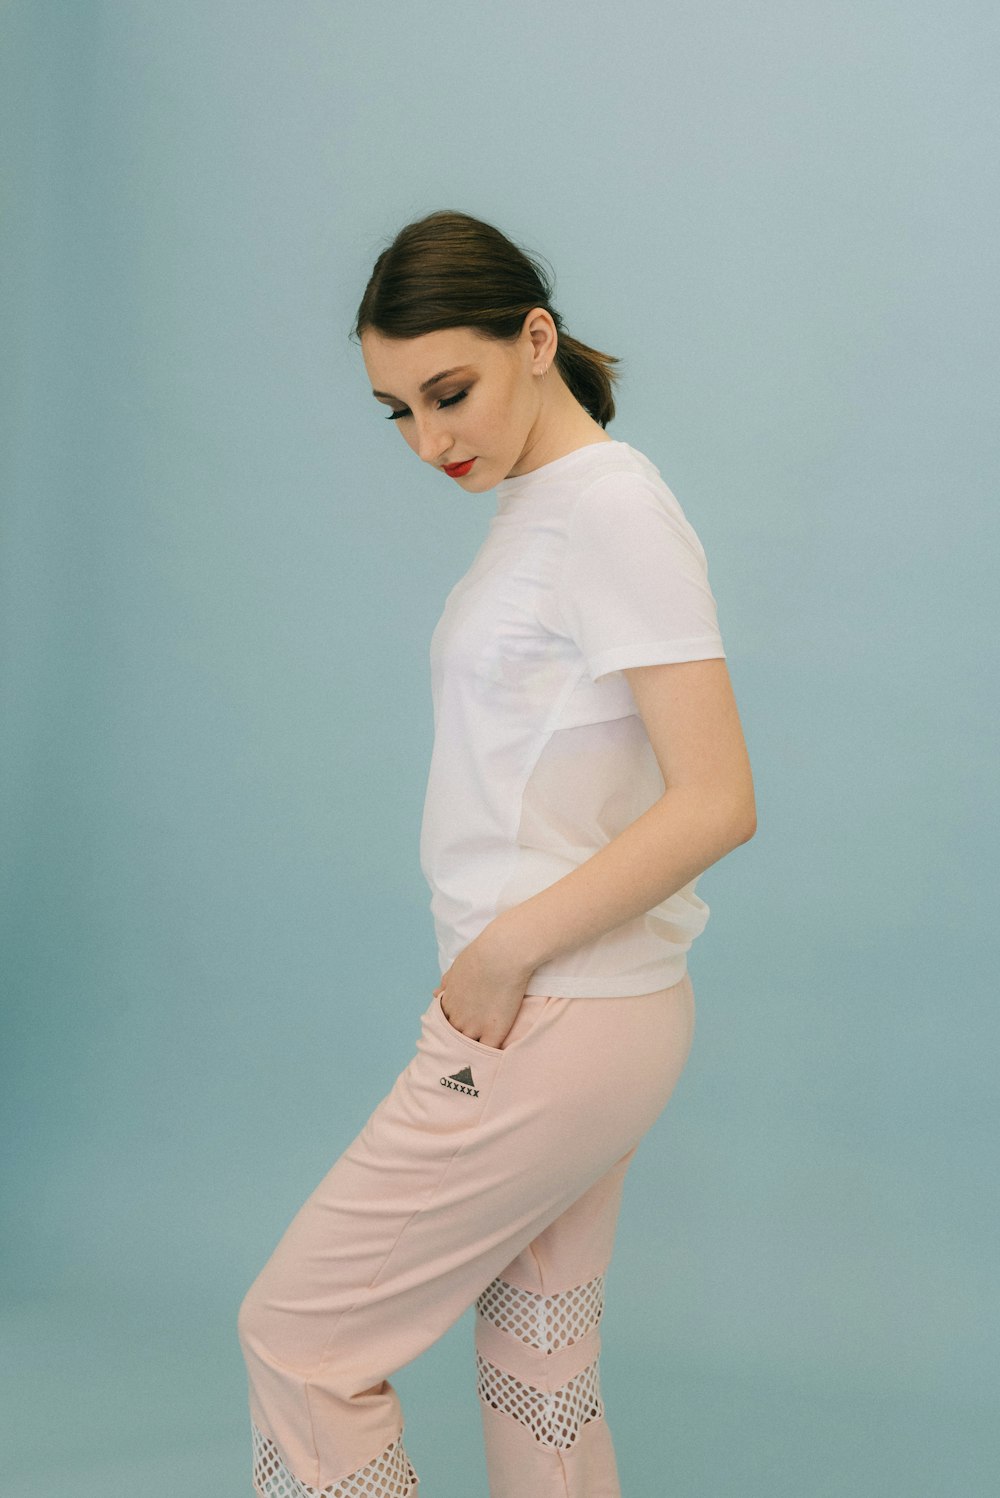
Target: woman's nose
[432,445]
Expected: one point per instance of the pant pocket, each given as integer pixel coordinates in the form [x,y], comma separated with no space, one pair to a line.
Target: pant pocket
[532,1007]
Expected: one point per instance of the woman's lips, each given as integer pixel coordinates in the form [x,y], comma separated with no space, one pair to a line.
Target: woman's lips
[459,470]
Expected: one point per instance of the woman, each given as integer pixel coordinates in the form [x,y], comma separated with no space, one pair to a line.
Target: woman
[588,764]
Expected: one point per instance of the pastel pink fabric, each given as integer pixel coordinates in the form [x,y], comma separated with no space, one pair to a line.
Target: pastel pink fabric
[487,1176]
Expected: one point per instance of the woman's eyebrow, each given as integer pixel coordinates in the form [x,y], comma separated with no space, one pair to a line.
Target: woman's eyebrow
[434,379]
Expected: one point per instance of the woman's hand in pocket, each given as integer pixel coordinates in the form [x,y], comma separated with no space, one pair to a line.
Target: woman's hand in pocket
[482,991]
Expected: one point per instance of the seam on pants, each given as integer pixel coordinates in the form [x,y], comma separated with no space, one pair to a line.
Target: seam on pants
[538,1265]
[431,1194]
[325,1355]
[429,1197]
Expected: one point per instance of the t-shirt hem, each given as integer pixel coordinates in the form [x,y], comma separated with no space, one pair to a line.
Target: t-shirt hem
[656,653]
[572,986]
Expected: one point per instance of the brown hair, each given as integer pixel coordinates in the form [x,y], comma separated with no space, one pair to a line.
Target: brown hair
[450,270]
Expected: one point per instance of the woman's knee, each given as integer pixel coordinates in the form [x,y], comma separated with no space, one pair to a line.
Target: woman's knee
[254,1325]
[271,1332]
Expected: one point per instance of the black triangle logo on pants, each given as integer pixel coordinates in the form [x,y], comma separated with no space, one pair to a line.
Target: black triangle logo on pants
[465,1075]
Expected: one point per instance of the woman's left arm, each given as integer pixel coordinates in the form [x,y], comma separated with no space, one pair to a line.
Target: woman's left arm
[706,810]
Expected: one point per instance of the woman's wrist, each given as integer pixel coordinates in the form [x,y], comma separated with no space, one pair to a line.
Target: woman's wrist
[505,941]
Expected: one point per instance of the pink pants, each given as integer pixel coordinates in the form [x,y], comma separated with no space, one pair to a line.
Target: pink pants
[484,1175]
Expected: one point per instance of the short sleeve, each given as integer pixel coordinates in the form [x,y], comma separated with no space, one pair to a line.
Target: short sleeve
[633,588]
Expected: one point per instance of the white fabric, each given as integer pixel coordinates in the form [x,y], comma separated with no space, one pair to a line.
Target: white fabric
[540,756]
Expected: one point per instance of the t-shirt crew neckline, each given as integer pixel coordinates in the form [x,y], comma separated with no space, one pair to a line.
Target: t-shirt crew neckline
[509,489]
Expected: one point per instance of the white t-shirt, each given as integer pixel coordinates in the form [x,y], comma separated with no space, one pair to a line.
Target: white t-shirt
[540,756]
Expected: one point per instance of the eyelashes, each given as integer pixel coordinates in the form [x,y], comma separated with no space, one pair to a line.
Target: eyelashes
[451,401]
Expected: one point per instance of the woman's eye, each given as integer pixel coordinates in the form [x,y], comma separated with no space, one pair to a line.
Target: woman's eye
[451,401]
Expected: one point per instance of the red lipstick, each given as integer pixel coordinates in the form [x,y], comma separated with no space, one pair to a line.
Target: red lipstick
[459,470]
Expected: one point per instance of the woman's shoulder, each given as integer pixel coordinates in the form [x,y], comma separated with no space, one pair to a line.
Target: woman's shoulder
[617,470]
[627,502]
[607,461]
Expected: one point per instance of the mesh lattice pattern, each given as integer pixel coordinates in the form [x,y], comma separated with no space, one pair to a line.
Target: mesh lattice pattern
[388,1476]
[553,1419]
[547,1321]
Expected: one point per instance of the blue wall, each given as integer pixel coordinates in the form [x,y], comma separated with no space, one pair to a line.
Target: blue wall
[219,575]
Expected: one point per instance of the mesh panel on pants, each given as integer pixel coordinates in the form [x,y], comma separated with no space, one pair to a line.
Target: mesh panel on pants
[389,1475]
[546,1322]
[553,1419]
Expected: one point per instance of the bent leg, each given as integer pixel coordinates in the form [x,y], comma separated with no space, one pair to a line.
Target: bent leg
[473,1153]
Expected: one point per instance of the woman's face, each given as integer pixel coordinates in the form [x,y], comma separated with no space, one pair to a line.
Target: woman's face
[485,409]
